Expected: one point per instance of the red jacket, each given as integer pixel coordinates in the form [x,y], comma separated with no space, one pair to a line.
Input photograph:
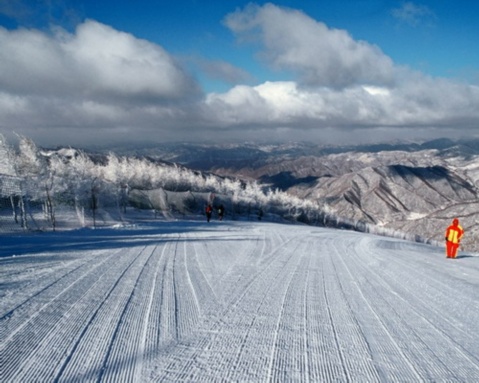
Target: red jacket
[454,232]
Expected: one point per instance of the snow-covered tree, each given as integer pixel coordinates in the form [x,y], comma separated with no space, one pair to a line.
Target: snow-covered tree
[69,177]
[7,158]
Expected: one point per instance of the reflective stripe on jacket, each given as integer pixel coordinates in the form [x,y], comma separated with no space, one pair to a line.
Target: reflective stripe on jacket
[454,233]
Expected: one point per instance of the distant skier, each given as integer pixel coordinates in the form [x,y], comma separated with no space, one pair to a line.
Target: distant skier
[260,214]
[208,211]
[221,212]
[454,234]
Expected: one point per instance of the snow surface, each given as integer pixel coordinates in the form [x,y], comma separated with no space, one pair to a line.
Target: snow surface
[234,301]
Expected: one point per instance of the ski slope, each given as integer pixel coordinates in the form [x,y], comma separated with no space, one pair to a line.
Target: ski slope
[235,301]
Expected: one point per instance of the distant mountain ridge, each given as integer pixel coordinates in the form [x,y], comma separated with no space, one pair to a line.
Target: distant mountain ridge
[410,187]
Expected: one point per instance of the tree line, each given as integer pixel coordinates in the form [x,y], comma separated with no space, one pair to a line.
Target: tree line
[43,189]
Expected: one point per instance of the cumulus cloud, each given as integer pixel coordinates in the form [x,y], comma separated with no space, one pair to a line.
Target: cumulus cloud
[418,102]
[96,77]
[320,55]
[96,61]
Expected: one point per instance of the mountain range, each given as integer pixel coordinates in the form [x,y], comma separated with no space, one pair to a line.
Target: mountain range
[414,188]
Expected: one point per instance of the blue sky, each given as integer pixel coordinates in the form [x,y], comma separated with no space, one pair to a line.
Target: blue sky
[146,71]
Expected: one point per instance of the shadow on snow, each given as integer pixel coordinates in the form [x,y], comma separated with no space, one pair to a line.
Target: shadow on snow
[141,234]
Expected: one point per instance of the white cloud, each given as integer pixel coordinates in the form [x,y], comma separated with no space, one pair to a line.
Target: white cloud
[320,55]
[97,78]
[100,85]
[418,102]
[413,14]
[118,63]
[343,84]
[96,61]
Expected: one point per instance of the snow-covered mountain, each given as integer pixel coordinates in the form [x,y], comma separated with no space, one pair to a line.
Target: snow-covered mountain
[410,187]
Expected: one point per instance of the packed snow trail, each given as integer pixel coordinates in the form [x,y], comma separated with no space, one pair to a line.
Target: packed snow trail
[234,301]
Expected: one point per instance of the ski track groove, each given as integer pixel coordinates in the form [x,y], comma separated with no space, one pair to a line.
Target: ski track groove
[40,279]
[187,308]
[42,323]
[266,295]
[285,365]
[271,293]
[443,293]
[127,335]
[328,365]
[174,372]
[51,280]
[334,330]
[152,336]
[209,291]
[99,335]
[81,363]
[439,363]
[146,318]
[240,302]
[375,349]
[305,315]
[192,308]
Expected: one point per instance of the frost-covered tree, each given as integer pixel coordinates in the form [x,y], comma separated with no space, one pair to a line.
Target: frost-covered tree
[79,174]
[28,162]
[7,158]
[112,170]
[39,181]
[11,185]
[70,178]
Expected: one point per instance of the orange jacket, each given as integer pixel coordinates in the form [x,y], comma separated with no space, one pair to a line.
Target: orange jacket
[454,232]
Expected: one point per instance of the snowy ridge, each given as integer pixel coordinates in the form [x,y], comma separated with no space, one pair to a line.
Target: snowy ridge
[232,301]
[402,191]
[415,189]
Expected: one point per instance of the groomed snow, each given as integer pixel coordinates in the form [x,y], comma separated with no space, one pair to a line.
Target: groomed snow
[234,301]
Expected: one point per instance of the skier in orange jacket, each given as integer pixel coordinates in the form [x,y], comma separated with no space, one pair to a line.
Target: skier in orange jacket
[454,234]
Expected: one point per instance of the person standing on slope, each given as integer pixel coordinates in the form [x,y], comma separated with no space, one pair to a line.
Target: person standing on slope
[454,234]
[208,211]
[221,212]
